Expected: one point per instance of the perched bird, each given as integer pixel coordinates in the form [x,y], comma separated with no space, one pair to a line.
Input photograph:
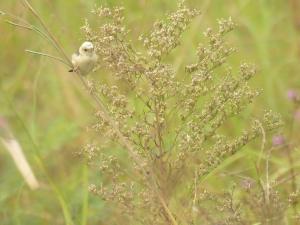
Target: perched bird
[85,59]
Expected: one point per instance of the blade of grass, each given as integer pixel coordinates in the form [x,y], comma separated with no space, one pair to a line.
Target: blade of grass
[38,159]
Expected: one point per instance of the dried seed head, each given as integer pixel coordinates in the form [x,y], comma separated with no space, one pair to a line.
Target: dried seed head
[173,122]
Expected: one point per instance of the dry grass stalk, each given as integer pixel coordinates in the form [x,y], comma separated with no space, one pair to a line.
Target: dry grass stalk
[16,152]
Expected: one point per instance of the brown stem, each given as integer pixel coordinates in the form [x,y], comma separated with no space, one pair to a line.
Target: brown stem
[132,152]
[158,129]
[148,173]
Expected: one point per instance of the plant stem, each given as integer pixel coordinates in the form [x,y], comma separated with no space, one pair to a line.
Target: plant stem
[131,151]
[47,55]
[55,41]
[148,173]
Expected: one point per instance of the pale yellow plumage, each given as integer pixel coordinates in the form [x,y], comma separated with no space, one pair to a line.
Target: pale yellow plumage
[85,60]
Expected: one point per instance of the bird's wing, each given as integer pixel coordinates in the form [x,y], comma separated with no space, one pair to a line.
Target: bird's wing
[95,57]
[75,57]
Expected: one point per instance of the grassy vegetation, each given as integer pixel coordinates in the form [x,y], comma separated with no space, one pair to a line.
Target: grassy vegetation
[48,110]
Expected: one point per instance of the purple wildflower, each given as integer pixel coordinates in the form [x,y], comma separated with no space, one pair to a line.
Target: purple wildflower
[3,122]
[278,140]
[297,115]
[292,95]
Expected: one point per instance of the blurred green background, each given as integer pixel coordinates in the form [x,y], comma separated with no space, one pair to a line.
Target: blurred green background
[48,110]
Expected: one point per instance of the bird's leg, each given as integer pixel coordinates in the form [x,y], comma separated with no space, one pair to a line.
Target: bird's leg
[74,69]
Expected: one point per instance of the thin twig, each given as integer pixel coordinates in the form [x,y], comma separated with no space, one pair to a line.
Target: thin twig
[284,180]
[17,18]
[47,55]
[263,141]
[26,25]
[19,25]
[59,47]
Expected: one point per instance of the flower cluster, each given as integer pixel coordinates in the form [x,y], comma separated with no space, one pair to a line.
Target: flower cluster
[251,207]
[165,35]
[169,123]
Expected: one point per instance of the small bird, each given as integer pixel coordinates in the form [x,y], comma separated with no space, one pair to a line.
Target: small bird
[85,59]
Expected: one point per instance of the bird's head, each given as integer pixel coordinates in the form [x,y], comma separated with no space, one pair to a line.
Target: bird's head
[87,48]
